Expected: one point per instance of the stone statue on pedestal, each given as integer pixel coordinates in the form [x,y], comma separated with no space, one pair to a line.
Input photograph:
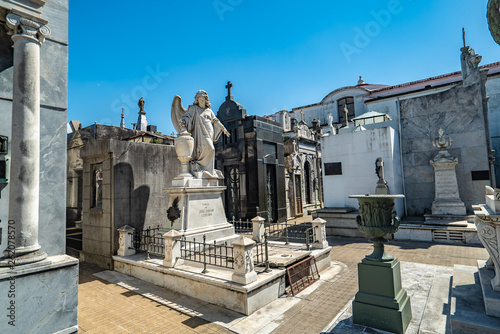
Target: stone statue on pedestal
[447,200]
[195,208]
[382,187]
[200,122]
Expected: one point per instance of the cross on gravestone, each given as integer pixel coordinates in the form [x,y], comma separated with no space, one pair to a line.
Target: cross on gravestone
[229,86]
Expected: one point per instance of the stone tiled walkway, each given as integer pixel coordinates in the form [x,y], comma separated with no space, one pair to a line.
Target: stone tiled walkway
[109,308]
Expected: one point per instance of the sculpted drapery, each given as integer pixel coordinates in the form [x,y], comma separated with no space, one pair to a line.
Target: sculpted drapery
[200,121]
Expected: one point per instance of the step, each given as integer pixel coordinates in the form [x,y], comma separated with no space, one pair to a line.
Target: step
[435,319]
[467,314]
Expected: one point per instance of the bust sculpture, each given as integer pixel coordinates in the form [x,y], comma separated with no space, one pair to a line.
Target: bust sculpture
[200,122]
[442,142]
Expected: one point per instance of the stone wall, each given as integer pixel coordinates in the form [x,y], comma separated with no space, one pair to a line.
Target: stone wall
[459,112]
[357,153]
[134,176]
[493,91]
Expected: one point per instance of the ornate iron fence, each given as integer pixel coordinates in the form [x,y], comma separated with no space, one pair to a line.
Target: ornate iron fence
[242,227]
[148,241]
[207,253]
[291,231]
[261,254]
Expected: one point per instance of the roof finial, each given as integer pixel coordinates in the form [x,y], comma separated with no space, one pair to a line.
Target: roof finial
[122,123]
[463,36]
[361,81]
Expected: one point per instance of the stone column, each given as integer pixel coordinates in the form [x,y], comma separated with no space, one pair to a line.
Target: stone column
[172,249]
[28,36]
[244,272]
[319,230]
[126,241]
[258,229]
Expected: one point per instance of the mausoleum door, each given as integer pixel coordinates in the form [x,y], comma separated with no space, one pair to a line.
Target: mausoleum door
[298,195]
[233,192]
[271,193]
[307,185]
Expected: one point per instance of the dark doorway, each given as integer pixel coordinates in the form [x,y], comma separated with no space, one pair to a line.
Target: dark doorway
[298,195]
[233,192]
[272,211]
[307,185]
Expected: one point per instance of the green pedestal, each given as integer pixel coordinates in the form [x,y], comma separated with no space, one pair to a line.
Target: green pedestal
[381,302]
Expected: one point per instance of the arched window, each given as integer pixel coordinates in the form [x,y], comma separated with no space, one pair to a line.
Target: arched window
[349,102]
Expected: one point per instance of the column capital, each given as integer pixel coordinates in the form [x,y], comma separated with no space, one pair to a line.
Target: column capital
[27,28]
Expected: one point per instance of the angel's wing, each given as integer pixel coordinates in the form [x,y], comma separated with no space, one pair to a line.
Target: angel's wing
[177,113]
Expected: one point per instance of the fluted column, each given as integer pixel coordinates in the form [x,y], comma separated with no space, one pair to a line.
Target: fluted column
[28,36]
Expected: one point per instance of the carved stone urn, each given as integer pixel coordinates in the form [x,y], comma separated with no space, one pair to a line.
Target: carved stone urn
[377,218]
[380,302]
[184,145]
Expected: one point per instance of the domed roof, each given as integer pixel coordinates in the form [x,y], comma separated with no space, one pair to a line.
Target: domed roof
[230,109]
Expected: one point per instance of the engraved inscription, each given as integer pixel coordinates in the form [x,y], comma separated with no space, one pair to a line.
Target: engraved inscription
[206,211]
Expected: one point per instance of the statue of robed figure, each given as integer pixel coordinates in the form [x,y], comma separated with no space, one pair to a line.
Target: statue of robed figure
[201,123]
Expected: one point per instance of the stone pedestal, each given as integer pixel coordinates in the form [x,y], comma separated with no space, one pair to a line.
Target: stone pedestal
[244,272]
[487,220]
[201,211]
[125,240]
[447,200]
[258,229]
[172,249]
[319,230]
[40,297]
[381,302]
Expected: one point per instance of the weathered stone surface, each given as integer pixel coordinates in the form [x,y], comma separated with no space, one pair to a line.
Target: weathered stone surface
[459,111]
[54,71]
[52,181]
[139,172]
[46,296]
[467,314]
[491,298]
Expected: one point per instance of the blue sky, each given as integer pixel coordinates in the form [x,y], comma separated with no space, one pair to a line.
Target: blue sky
[278,54]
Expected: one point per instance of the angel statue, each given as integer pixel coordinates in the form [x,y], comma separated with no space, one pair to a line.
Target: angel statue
[199,121]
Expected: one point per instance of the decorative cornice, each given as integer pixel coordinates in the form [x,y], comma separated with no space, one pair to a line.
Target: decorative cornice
[22,26]
[25,7]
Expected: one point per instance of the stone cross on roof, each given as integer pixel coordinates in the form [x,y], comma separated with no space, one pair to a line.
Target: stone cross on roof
[229,86]
[302,115]
[463,37]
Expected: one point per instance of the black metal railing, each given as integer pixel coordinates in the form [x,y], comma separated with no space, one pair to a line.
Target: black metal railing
[261,254]
[148,241]
[291,231]
[242,226]
[207,253]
